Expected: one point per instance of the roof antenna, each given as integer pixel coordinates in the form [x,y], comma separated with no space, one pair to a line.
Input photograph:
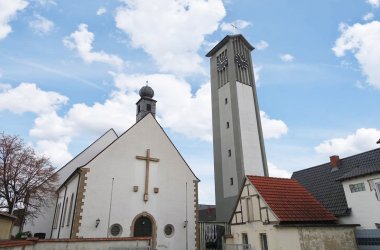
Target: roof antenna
[146,82]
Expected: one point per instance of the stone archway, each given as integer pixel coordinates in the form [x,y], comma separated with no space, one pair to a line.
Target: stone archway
[144,224]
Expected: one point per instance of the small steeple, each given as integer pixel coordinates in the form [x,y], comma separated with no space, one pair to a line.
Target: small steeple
[146,104]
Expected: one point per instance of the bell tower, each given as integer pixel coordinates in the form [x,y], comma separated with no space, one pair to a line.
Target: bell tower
[237,133]
[146,104]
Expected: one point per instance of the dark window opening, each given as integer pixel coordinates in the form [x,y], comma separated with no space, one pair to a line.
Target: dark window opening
[225,100]
[138,108]
[228,125]
[264,241]
[229,153]
[148,107]
[231,181]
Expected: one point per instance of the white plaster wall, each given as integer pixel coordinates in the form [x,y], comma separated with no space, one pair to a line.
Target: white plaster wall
[43,223]
[278,239]
[252,157]
[88,245]
[365,205]
[170,175]
[227,142]
[63,231]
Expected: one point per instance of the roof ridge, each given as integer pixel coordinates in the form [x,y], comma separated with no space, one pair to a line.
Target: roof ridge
[345,158]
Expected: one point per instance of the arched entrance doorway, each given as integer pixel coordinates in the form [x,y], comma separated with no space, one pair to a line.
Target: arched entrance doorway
[144,225]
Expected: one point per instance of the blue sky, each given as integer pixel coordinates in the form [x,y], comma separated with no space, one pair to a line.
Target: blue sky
[70,70]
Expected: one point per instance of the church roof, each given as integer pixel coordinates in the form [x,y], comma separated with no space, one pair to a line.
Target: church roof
[90,147]
[290,201]
[322,182]
[145,117]
[225,40]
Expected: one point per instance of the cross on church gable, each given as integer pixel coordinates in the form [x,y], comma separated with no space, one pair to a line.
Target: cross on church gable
[147,160]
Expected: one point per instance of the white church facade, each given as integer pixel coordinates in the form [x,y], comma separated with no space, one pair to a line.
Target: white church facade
[138,185]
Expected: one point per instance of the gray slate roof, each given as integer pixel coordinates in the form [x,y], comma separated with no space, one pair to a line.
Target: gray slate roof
[324,185]
[361,171]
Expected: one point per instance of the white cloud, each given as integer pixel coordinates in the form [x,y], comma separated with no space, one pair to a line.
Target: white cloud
[41,25]
[368,16]
[81,40]
[374,3]
[235,26]
[101,11]
[53,127]
[171,31]
[261,45]
[287,58]
[275,171]
[362,40]
[178,109]
[257,69]
[8,10]
[363,139]
[27,97]
[57,151]
[176,102]
[272,128]
[46,3]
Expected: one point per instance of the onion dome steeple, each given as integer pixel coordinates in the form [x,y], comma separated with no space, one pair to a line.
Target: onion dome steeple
[146,104]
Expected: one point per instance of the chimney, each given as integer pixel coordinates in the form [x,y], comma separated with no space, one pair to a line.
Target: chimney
[334,161]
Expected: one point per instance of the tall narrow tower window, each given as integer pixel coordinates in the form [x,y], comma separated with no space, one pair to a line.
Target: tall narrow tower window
[228,125]
[229,153]
[225,100]
[138,108]
[148,107]
[231,181]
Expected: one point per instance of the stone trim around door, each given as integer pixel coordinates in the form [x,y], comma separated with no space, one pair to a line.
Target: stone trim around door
[79,202]
[154,227]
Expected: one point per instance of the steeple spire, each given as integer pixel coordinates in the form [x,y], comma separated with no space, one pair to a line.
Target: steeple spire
[146,104]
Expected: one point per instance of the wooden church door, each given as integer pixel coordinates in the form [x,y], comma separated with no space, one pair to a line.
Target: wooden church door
[143,227]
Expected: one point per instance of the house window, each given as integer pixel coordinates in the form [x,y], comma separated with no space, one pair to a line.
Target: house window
[148,107]
[57,210]
[169,230]
[357,187]
[244,237]
[64,212]
[231,181]
[116,230]
[229,153]
[70,210]
[263,241]
[377,188]
[228,125]
[225,101]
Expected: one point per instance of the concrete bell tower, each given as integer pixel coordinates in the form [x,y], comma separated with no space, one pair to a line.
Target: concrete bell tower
[237,133]
[146,104]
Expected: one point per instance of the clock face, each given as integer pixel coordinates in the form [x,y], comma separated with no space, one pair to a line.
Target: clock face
[221,62]
[241,61]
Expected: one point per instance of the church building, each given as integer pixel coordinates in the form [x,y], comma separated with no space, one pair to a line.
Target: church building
[237,134]
[137,185]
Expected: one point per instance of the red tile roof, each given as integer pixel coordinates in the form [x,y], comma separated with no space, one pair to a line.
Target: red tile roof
[290,201]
